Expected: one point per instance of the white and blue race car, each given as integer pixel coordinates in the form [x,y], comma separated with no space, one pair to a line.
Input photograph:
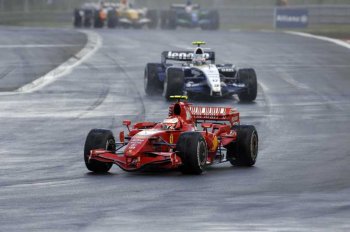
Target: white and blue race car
[197,74]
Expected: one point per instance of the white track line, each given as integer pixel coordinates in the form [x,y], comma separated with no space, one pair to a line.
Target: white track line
[94,42]
[324,38]
[39,45]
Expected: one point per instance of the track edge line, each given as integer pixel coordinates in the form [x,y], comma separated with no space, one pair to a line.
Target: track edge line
[94,43]
[319,37]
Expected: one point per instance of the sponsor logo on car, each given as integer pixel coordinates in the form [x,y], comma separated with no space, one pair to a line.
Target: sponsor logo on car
[207,111]
[226,69]
[184,55]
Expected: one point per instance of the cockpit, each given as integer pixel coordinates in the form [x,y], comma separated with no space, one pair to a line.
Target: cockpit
[198,57]
[171,124]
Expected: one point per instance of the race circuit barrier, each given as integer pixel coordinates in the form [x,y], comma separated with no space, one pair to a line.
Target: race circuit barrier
[291,17]
[230,15]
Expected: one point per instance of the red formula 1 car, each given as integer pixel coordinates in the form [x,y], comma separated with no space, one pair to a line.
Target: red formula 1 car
[176,143]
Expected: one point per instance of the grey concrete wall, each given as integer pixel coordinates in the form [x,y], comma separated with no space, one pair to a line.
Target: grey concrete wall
[232,12]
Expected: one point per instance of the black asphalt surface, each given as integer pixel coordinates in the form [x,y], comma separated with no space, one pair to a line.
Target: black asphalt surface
[28,53]
[301,181]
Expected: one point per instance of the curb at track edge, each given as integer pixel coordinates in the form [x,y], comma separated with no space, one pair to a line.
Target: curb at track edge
[94,42]
[324,38]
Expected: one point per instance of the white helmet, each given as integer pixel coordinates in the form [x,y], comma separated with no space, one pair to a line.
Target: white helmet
[198,57]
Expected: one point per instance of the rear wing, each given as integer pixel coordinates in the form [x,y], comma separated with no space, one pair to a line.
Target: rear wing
[202,113]
[184,56]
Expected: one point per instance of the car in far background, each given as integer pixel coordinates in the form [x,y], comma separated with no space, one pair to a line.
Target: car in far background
[112,15]
[191,16]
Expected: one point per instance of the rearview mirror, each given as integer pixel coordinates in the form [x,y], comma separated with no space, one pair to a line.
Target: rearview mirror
[126,122]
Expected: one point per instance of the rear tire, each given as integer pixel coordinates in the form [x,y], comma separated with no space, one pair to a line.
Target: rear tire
[78,19]
[248,77]
[88,17]
[244,151]
[173,83]
[193,151]
[98,139]
[112,20]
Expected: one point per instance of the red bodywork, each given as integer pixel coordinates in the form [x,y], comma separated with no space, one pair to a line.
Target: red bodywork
[151,144]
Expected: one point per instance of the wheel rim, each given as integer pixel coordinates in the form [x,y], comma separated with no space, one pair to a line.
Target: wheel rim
[201,153]
[254,146]
[110,145]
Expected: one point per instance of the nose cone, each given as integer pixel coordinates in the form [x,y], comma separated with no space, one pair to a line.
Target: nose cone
[213,78]
[139,142]
[135,146]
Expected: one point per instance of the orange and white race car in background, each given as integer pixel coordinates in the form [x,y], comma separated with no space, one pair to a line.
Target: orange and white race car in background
[112,15]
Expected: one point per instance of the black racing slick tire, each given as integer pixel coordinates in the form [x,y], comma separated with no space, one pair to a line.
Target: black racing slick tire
[88,18]
[193,150]
[151,82]
[152,15]
[248,77]
[244,151]
[173,83]
[98,22]
[78,19]
[98,139]
[112,19]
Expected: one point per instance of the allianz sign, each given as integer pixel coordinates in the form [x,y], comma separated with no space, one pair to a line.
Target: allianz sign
[291,17]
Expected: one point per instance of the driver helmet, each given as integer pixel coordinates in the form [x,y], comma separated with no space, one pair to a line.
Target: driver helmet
[171,123]
[198,57]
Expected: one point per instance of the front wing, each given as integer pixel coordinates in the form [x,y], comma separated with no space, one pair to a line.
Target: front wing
[164,160]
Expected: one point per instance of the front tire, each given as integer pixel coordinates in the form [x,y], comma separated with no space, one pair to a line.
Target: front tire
[151,81]
[173,83]
[98,139]
[193,151]
[98,22]
[248,77]
[245,150]
[112,20]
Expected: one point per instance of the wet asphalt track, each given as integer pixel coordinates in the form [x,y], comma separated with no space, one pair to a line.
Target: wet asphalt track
[301,181]
[30,53]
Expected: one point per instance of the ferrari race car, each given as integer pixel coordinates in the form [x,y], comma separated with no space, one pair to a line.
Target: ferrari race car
[176,143]
[113,15]
[191,16]
[197,74]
